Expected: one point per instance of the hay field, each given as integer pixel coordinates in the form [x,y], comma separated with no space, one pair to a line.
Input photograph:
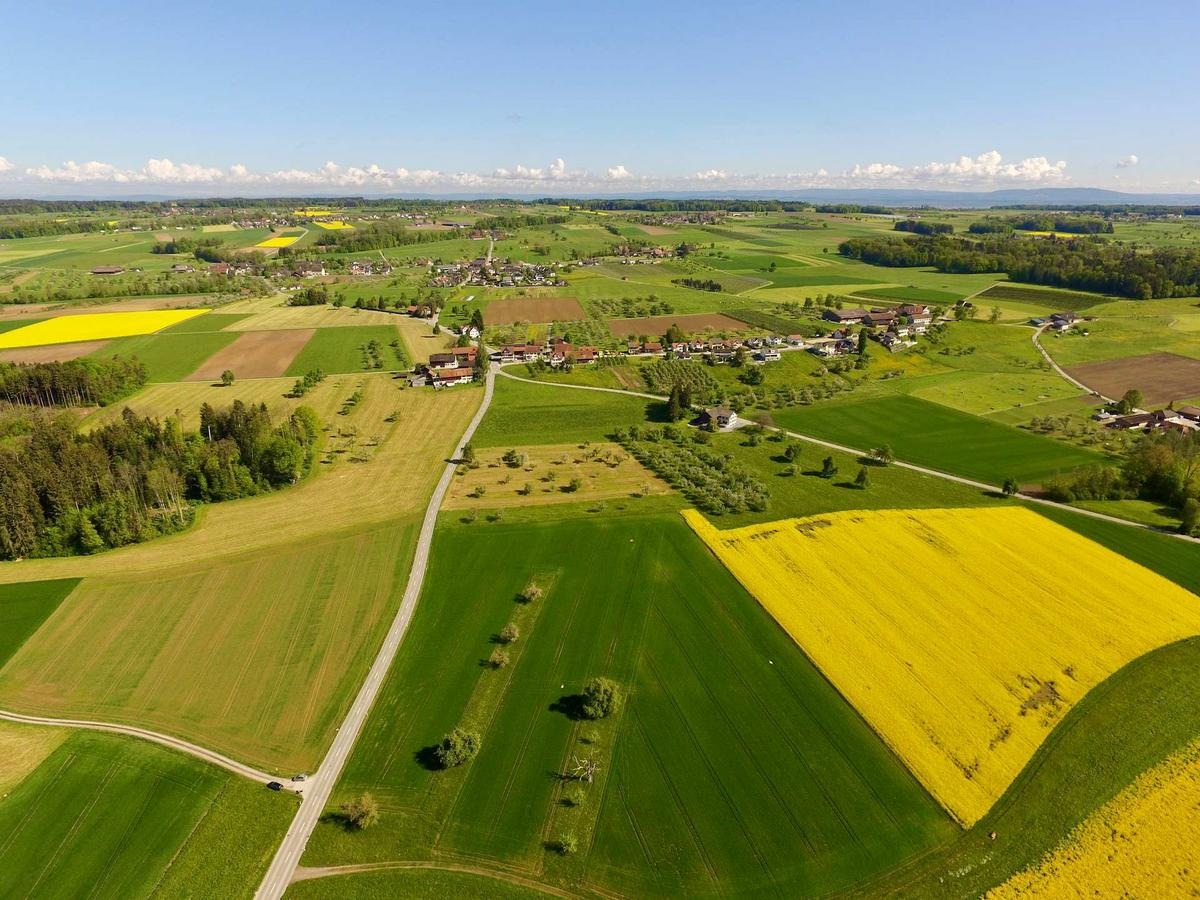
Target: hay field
[273,316]
[963,650]
[1142,843]
[94,327]
[22,749]
[605,470]
[255,354]
[258,656]
[533,309]
[404,458]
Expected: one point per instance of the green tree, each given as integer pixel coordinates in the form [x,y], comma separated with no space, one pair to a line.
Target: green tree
[828,467]
[1010,487]
[1131,400]
[995,316]
[862,480]
[360,813]
[675,408]
[227,377]
[456,748]
[792,451]
[601,698]
[673,335]
[1190,516]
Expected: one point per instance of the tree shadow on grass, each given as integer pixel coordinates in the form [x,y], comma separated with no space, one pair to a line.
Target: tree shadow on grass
[335,817]
[571,706]
[427,759]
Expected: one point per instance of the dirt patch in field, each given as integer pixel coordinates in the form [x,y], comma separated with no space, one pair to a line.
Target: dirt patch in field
[694,323]
[52,353]
[256,354]
[533,309]
[1161,377]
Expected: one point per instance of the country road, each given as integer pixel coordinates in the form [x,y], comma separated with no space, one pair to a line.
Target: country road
[924,470]
[173,743]
[1037,342]
[320,784]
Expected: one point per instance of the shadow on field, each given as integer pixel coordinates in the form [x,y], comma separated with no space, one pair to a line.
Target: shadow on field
[427,759]
[341,820]
[570,705]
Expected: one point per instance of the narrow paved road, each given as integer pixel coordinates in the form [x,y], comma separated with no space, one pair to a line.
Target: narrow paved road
[855,451]
[174,743]
[1037,342]
[320,785]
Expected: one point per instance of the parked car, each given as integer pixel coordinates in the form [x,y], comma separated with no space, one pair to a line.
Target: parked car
[300,777]
[275,785]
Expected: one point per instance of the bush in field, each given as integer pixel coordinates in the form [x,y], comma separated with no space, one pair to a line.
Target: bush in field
[499,658]
[456,748]
[361,812]
[509,633]
[601,698]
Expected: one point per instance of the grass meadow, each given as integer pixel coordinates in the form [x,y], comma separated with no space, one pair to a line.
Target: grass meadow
[938,437]
[733,765]
[24,606]
[108,816]
[169,357]
[337,350]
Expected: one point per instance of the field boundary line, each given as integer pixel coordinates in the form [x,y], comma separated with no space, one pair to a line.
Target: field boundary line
[287,858]
[165,740]
[924,470]
[308,874]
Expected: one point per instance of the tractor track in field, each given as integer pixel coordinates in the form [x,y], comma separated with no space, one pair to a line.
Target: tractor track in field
[913,467]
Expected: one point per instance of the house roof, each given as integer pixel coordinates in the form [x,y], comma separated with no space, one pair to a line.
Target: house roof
[719,412]
[448,374]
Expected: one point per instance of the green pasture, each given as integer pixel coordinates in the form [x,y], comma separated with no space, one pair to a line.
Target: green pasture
[733,766]
[24,606]
[411,882]
[213,321]
[338,350]
[938,437]
[108,816]
[523,413]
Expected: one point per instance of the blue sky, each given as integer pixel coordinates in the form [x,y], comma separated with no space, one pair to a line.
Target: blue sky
[601,96]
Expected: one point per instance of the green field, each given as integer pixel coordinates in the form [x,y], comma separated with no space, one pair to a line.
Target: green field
[24,606]
[108,816]
[911,295]
[939,437]
[523,413]
[411,881]
[1039,296]
[337,350]
[169,357]
[734,765]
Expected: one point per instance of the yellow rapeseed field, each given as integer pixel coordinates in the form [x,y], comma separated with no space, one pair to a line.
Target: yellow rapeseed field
[277,242]
[94,327]
[333,226]
[961,635]
[1142,843]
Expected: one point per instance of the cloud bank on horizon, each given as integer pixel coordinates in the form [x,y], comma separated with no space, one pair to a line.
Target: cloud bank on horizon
[988,170]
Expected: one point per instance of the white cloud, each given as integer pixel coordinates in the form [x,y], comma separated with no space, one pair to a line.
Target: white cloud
[983,171]
[1127,162]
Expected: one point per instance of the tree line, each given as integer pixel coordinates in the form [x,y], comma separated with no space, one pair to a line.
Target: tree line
[77,382]
[1099,266]
[64,493]
[918,226]
[1064,224]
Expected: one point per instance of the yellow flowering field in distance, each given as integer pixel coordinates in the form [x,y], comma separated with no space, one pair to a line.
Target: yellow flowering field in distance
[961,635]
[94,327]
[1142,843]
[277,242]
[333,226]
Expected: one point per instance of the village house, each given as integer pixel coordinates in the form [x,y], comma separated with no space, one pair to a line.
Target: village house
[446,377]
[443,361]
[361,267]
[797,340]
[880,318]
[719,417]
[1061,321]
[767,355]
[308,268]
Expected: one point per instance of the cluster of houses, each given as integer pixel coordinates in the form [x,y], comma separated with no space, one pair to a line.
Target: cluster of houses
[366,267]
[1059,321]
[895,327]
[497,273]
[1185,419]
[454,366]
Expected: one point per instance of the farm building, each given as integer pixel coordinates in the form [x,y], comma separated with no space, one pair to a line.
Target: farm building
[719,417]
[845,316]
[447,377]
[107,270]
